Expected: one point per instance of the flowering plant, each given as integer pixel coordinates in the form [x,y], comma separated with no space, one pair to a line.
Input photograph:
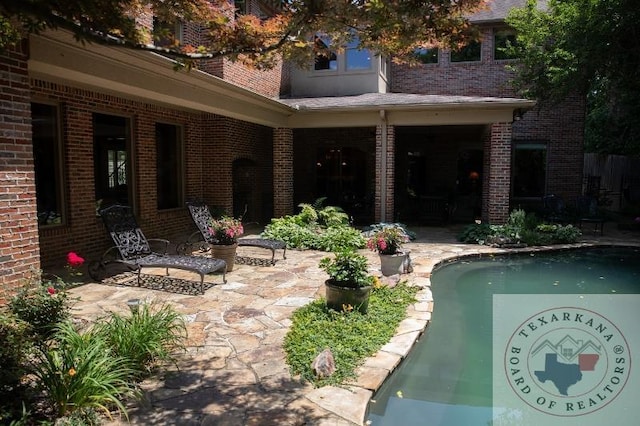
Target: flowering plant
[226,230]
[42,304]
[73,263]
[387,239]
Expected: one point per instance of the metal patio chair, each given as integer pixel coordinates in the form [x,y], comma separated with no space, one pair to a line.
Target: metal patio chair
[202,238]
[135,251]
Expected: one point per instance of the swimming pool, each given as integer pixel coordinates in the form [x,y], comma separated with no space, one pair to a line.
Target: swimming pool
[450,376]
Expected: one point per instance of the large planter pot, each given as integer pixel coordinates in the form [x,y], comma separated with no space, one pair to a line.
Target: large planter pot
[339,297]
[393,264]
[226,253]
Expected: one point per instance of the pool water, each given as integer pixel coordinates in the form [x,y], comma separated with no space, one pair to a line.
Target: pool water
[447,377]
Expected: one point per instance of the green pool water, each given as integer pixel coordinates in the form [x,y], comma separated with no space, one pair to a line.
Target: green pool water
[447,377]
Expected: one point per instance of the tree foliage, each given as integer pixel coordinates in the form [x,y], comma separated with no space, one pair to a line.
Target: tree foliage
[590,48]
[383,26]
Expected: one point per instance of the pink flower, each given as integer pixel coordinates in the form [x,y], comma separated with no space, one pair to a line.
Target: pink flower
[74,260]
[51,290]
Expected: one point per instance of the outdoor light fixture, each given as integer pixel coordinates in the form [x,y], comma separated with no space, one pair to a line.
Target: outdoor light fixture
[517,114]
[134,304]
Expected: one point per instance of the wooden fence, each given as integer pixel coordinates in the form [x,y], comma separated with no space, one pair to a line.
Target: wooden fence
[615,178]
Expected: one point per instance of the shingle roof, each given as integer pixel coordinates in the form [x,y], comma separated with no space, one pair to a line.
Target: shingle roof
[392,100]
[497,10]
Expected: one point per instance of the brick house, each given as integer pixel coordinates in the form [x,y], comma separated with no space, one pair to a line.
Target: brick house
[83,125]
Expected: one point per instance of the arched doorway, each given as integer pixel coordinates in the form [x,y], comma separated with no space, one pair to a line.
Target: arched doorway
[246,197]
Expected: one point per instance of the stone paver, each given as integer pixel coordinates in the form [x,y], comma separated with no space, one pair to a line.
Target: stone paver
[234,370]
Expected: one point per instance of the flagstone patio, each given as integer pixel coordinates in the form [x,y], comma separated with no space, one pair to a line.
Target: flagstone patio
[234,371]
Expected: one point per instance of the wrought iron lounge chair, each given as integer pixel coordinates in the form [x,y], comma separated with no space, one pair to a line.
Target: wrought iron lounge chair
[587,207]
[201,238]
[134,250]
[555,210]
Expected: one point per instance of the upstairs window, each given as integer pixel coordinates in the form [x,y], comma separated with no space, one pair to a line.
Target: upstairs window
[166,34]
[502,42]
[426,56]
[47,158]
[325,58]
[469,53]
[357,59]
[241,7]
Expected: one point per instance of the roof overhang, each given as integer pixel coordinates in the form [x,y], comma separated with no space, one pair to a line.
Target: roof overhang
[134,74]
[149,77]
[403,109]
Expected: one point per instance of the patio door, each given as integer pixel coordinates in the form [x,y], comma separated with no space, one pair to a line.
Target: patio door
[111,156]
[341,177]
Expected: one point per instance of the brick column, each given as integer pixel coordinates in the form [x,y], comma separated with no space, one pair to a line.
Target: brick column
[385,172]
[496,184]
[282,172]
[19,244]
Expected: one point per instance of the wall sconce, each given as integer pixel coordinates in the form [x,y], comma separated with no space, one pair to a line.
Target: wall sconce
[517,114]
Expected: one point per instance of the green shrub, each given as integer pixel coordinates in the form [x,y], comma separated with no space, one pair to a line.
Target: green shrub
[315,227]
[351,336]
[347,268]
[339,237]
[294,234]
[476,233]
[520,228]
[79,371]
[43,305]
[81,417]
[567,234]
[150,335]
[16,345]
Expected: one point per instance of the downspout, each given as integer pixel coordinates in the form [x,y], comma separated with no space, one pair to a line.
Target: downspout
[383,166]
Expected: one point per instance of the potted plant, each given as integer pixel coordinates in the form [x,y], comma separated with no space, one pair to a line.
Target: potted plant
[387,241]
[225,232]
[349,283]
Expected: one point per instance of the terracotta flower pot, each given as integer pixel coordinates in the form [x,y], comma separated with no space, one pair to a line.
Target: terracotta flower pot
[226,252]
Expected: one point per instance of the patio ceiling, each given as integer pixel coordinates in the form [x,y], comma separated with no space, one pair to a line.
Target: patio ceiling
[148,77]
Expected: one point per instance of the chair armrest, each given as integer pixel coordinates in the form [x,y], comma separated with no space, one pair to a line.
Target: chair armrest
[162,244]
[111,254]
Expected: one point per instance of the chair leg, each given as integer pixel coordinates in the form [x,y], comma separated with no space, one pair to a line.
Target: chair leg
[139,270]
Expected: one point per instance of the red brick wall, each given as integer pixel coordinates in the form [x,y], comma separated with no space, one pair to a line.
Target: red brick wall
[226,140]
[487,77]
[211,144]
[388,196]
[19,248]
[560,126]
[272,83]
[497,176]
[282,172]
